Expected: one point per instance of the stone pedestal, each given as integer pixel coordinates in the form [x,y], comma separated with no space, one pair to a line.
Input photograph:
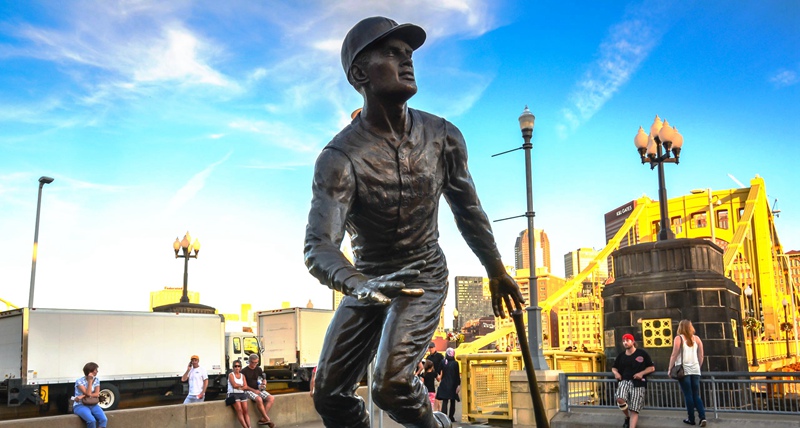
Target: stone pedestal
[674,280]
[186,308]
[521,402]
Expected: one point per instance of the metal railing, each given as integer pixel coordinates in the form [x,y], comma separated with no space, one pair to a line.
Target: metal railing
[764,392]
[486,382]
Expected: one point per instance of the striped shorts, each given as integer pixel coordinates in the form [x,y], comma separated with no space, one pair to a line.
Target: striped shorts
[634,396]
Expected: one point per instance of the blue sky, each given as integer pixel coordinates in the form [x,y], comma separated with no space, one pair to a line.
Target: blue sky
[156,118]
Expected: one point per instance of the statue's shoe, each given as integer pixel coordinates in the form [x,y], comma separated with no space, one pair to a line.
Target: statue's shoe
[444,421]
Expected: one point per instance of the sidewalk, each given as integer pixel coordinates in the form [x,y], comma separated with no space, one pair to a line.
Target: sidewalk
[388,423]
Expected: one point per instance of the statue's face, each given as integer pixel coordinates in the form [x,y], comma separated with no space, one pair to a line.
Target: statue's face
[391,71]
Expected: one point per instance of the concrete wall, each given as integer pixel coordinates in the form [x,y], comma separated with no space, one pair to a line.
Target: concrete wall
[288,409]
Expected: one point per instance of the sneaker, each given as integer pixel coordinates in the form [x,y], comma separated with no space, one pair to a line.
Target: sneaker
[688,422]
[703,422]
[627,423]
[442,419]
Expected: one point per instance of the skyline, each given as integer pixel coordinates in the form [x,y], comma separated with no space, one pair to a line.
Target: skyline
[155,119]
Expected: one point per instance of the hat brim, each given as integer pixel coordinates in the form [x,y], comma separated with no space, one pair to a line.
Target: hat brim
[412,34]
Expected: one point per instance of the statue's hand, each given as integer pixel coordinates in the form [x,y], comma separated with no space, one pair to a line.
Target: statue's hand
[505,289]
[383,289]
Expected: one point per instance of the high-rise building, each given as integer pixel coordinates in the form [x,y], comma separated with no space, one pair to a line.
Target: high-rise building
[471,301]
[547,285]
[541,245]
[576,261]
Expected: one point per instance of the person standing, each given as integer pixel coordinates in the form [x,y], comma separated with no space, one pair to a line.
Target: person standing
[255,388]
[435,357]
[236,393]
[689,348]
[198,381]
[381,179]
[630,369]
[88,386]
[450,386]
[429,378]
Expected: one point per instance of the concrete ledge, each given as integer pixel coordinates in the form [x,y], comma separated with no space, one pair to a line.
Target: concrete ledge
[289,409]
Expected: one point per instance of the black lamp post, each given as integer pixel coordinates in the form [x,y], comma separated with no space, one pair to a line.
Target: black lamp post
[186,248]
[749,293]
[650,149]
[42,181]
[786,321]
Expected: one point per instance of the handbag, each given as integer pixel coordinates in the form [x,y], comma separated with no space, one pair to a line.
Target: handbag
[677,372]
[90,401]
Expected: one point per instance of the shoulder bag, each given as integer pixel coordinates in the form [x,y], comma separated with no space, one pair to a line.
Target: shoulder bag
[677,372]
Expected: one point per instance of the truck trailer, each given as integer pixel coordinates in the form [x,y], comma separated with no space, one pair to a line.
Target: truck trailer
[292,342]
[43,351]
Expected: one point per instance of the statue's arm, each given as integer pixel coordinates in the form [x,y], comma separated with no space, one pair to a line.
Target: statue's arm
[474,225]
[333,192]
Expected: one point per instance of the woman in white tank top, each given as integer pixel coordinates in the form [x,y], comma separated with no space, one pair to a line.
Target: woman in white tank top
[687,349]
[237,396]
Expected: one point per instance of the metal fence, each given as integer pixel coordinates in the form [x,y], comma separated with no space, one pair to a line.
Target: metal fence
[763,392]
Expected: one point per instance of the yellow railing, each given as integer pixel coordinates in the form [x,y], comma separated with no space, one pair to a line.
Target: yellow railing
[486,378]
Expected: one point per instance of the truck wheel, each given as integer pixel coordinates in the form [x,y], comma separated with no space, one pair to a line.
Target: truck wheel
[109,397]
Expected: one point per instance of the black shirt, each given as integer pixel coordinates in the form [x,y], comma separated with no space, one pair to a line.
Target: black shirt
[437,359]
[251,376]
[629,365]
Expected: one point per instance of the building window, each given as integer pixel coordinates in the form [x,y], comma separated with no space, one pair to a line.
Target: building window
[677,224]
[722,219]
[699,220]
[655,227]
[657,333]
[741,213]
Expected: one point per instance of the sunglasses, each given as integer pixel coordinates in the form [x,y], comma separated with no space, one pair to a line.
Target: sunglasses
[237,366]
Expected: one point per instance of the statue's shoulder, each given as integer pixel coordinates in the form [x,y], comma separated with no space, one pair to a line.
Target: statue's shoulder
[347,139]
[433,123]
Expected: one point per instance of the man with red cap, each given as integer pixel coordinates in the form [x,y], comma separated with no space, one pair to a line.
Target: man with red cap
[381,179]
[630,369]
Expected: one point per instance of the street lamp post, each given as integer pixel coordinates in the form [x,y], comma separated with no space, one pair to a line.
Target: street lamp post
[749,293]
[455,320]
[786,321]
[526,123]
[42,181]
[188,250]
[650,150]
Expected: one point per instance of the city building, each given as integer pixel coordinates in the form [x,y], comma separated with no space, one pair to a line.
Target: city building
[541,244]
[547,285]
[472,302]
[576,261]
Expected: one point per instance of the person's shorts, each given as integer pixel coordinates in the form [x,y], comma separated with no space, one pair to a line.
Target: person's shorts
[632,395]
[234,397]
[252,395]
[432,397]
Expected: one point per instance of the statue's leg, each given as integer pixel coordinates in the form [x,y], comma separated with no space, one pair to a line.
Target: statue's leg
[407,330]
[349,347]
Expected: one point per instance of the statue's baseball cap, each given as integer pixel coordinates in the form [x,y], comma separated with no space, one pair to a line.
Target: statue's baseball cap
[628,336]
[374,29]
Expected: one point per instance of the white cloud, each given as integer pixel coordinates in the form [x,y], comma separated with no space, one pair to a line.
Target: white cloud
[278,134]
[783,78]
[193,186]
[620,54]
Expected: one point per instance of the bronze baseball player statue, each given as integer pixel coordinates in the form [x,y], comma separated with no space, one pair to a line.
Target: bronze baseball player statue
[381,179]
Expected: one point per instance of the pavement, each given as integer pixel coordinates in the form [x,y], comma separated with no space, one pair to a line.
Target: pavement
[388,423]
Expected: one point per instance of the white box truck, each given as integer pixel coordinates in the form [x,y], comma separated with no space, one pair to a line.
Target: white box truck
[43,351]
[292,341]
